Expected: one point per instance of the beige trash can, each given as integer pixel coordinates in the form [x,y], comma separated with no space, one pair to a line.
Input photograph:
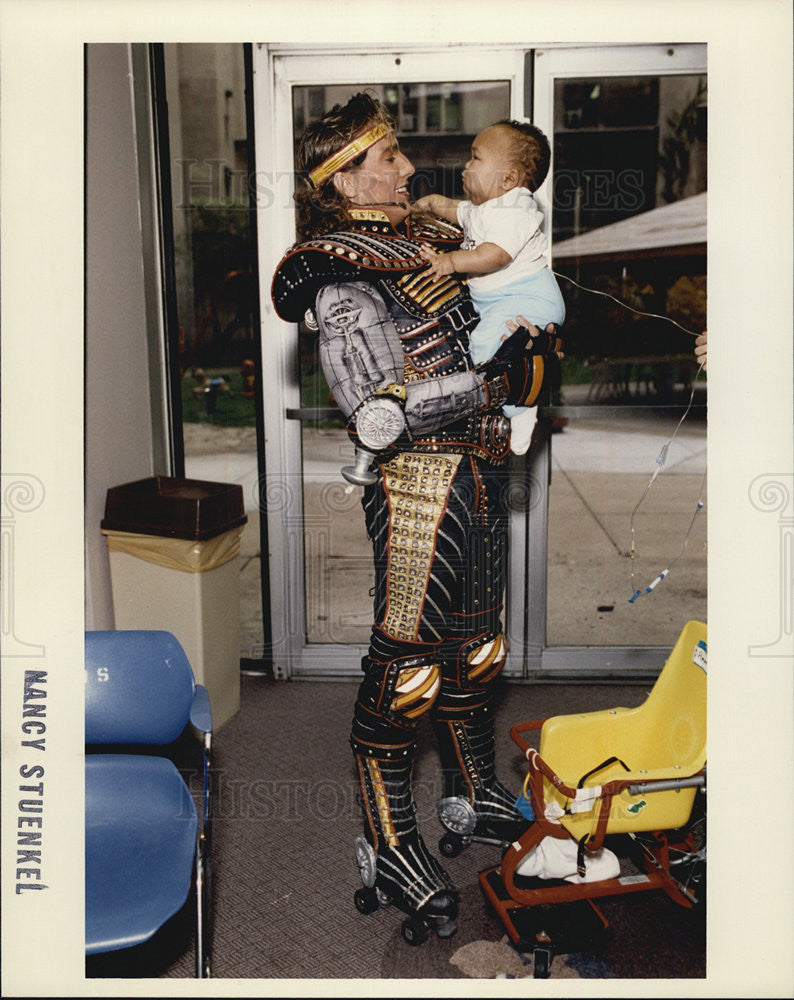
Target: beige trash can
[173,546]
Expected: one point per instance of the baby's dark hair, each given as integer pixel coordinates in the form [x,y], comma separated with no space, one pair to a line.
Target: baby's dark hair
[531,151]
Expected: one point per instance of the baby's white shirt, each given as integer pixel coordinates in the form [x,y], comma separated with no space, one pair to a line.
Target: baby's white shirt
[512,221]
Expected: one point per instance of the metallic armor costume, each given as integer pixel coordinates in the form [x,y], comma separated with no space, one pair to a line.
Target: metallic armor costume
[393,345]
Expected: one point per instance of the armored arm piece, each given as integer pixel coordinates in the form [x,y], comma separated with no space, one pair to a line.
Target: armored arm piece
[516,374]
[434,403]
[363,364]
[362,361]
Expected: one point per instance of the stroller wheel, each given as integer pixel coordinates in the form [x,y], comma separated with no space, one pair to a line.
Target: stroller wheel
[450,845]
[541,960]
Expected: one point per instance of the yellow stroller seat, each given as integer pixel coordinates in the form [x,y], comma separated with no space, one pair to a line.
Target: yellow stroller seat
[616,771]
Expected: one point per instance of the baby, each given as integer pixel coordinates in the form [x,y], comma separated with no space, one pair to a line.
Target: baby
[504,250]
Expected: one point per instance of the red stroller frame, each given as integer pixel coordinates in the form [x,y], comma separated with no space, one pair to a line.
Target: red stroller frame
[526,905]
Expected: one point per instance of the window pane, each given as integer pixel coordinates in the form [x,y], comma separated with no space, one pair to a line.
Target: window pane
[215,287]
[630,222]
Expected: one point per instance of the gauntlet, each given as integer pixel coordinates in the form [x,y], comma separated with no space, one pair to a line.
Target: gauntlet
[519,369]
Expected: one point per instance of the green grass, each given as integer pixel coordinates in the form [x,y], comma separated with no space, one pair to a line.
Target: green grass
[231,410]
[575,371]
[234,410]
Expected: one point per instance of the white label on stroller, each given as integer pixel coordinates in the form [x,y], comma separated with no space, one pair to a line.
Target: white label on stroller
[585,799]
[699,656]
[633,879]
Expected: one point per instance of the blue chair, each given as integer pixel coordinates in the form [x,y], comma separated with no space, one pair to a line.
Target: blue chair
[146,844]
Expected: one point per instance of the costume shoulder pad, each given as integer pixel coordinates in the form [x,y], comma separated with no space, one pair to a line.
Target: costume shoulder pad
[332,259]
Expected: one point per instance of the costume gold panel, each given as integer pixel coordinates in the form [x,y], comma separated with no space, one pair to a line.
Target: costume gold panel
[417,487]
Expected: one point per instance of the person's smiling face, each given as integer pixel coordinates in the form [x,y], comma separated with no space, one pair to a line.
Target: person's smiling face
[381,181]
[489,172]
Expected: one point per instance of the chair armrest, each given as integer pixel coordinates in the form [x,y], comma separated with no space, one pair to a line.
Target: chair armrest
[201,719]
[200,711]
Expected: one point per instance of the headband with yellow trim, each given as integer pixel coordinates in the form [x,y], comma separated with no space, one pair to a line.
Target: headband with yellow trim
[347,153]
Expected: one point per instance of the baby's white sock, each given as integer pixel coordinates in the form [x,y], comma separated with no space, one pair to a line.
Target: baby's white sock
[521,427]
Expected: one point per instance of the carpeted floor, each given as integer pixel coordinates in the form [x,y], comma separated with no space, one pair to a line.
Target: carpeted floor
[285,872]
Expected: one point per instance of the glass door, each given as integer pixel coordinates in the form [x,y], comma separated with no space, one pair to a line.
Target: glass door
[627,214]
[320,558]
[628,130]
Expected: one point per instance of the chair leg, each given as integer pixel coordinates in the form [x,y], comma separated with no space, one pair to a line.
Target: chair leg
[203,915]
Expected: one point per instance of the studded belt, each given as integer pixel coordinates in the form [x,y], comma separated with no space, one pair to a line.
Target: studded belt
[486,437]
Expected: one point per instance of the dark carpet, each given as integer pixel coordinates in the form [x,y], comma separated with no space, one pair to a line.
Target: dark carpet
[285,872]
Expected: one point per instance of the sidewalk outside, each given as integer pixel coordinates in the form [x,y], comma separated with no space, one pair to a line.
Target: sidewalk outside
[601,466]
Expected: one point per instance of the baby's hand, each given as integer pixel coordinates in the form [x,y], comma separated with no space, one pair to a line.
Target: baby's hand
[440,263]
[424,204]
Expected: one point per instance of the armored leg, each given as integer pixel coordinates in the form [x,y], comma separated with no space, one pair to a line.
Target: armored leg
[475,805]
[437,525]
[395,864]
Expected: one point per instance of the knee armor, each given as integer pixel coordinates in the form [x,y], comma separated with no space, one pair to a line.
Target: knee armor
[467,678]
[483,660]
[401,691]
[475,805]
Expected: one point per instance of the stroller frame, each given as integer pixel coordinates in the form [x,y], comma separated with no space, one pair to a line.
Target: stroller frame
[526,905]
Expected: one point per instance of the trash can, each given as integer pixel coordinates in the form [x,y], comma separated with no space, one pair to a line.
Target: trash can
[173,546]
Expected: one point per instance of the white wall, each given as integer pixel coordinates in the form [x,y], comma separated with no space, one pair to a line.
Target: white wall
[118,423]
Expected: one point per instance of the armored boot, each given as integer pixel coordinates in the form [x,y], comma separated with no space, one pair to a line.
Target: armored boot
[396,866]
[475,805]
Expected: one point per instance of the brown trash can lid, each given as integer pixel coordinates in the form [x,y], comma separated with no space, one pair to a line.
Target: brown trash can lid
[174,508]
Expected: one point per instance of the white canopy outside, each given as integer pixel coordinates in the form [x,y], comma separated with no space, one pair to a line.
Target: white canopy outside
[676,228]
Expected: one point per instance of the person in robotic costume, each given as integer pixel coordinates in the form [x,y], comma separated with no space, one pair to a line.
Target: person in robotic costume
[431,448]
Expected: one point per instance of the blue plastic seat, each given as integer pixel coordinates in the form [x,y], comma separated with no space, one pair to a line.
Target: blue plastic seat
[146,843]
